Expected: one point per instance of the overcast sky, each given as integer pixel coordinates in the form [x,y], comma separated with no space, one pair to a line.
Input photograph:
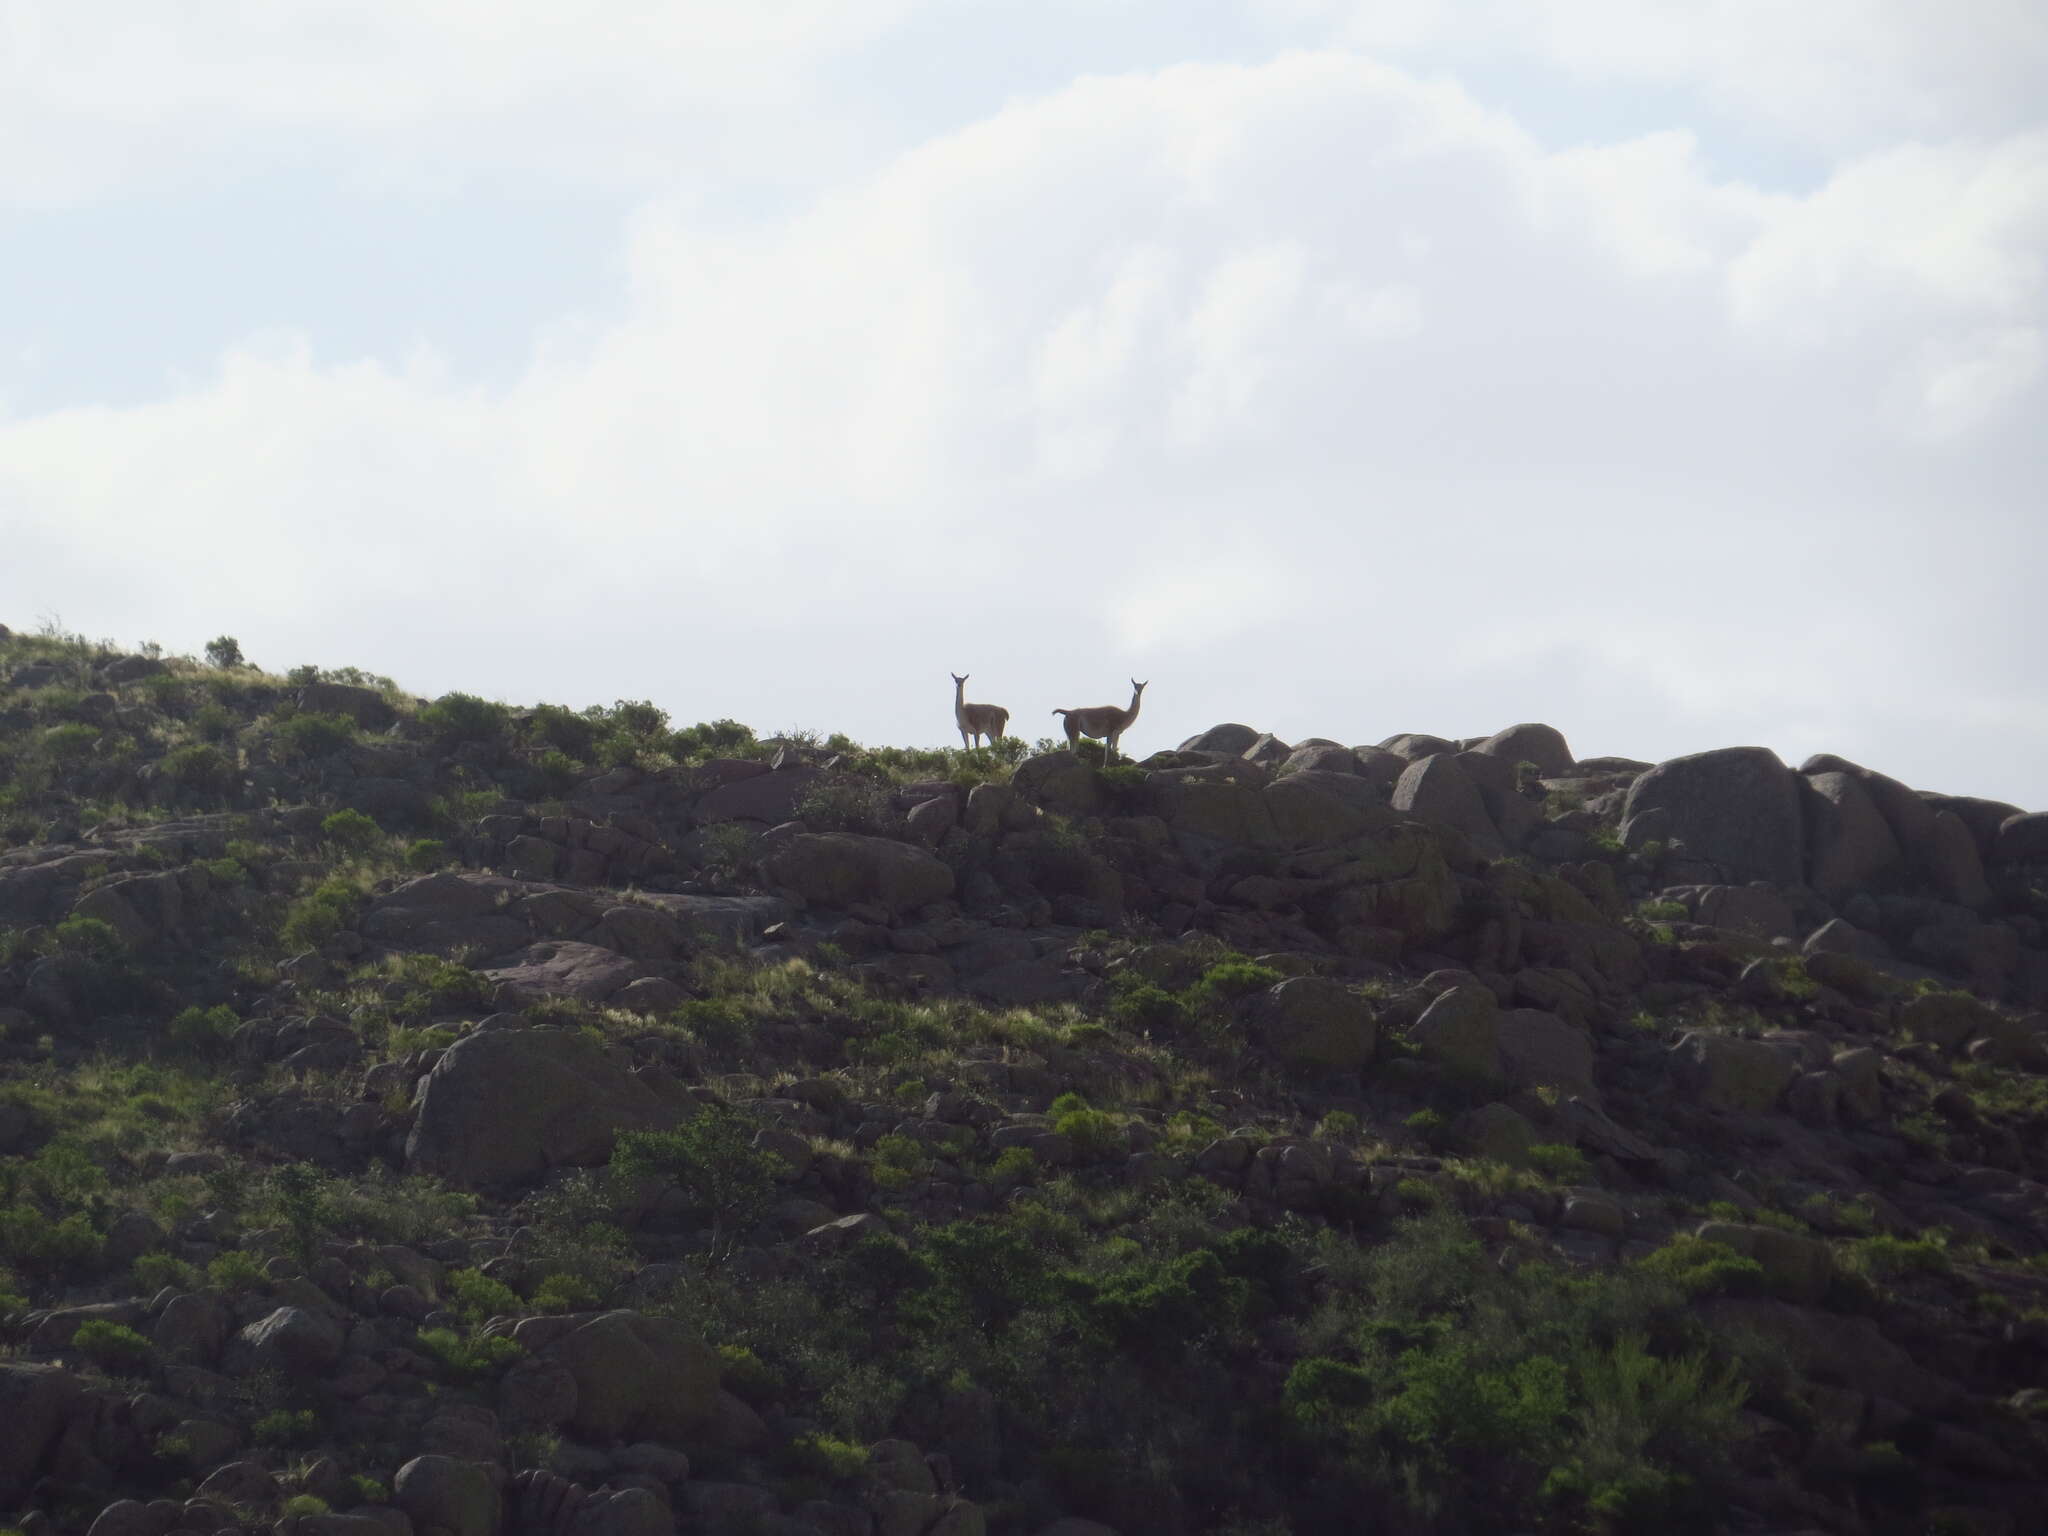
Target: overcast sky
[1667,370]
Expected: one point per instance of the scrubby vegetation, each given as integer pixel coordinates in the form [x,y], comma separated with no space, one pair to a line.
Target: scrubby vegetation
[367,1062]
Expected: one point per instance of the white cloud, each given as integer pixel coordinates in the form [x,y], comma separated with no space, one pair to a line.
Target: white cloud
[99,95]
[1318,391]
[1833,75]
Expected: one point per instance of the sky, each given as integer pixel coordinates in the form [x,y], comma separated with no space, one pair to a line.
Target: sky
[1669,371]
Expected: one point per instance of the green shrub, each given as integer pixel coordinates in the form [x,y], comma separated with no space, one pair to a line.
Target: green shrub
[200,768]
[112,1346]
[328,909]
[225,652]
[1337,1125]
[236,1271]
[286,1428]
[154,1271]
[713,1160]
[309,736]
[351,831]
[1162,1306]
[1142,1006]
[896,1160]
[463,717]
[13,1299]
[426,855]
[207,1031]
[1235,978]
[1555,1160]
[567,1293]
[478,1297]
[304,1504]
[566,734]
[307,1208]
[1883,1256]
[466,1359]
[31,1241]
[72,742]
[1700,1268]
[716,738]
[826,1456]
[1324,1392]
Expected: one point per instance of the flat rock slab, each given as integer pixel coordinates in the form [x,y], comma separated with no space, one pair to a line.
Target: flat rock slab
[721,919]
[565,968]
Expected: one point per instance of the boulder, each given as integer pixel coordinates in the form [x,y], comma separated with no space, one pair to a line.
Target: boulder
[2021,839]
[507,1104]
[844,869]
[1059,781]
[642,1378]
[444,1492]
[1230,740]
[368,708]
[1414,745]
[1207,815]
[563,968]
[1436,789]
[1952,863]
[295,1341]
[1321,757]
[1907,814]
[1315,806]
[448,912]
[1743,909]
[1982,817]
[1460,1029]
[1313,1021]
[1377,766]
[1540,1050]
[1948,1019]
[1737,807]
[35,1404]
[1512,813]
[1495,1131]
[1795,1266]
[718,919]
[1849,843]
[1542,745]
[769,798]
[1732,1073]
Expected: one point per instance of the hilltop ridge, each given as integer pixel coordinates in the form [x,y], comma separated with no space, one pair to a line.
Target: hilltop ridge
[445,1115]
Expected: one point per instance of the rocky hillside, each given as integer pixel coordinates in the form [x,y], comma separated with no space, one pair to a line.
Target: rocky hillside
[438,1119]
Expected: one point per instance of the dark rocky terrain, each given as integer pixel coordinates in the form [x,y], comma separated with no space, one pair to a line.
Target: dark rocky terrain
[423,1118]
